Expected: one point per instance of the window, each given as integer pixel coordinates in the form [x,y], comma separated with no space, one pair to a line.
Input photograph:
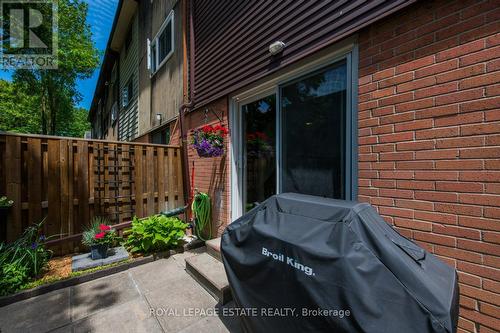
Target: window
[162,46]
[114,113]
[161,136]
[128,93]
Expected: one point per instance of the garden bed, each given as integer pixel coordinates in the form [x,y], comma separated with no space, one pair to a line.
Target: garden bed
[59,274]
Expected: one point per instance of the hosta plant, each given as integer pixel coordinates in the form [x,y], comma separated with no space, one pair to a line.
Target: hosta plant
[155,233]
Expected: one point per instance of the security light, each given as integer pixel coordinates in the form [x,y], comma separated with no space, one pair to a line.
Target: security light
[276,47]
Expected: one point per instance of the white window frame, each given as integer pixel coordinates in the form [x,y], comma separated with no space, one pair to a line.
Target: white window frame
[346,50]
[154,43]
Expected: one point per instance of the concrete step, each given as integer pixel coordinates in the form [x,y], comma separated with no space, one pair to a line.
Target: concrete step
[213,248]
[210,274]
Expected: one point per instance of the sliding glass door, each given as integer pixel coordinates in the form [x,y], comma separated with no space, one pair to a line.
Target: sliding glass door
[313,113]
[259,150]
[297,138]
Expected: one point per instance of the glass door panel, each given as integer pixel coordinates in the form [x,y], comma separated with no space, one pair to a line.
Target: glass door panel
[313,133]
[259,151]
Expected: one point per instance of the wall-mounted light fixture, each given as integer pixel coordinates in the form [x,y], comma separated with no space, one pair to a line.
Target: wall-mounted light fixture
[158,117]
[276,47]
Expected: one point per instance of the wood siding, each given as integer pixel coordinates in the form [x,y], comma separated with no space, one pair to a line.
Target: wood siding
[232,38]
[161,93]
[129,70]
[71,180]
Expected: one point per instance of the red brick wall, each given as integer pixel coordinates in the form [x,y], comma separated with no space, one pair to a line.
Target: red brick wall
[211,175]
[429,139]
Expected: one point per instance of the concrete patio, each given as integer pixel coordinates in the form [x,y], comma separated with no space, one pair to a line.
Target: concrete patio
[122,303]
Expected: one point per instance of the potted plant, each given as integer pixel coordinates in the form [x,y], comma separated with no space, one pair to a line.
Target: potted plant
[209,140]
[99,237]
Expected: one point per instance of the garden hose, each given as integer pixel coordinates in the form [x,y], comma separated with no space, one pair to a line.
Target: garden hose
[202,214]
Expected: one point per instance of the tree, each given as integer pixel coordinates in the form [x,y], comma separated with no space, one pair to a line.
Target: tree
[56,90]
[18,110]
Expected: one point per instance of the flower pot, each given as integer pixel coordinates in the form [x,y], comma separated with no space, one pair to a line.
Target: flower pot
[210,152]
[99,251]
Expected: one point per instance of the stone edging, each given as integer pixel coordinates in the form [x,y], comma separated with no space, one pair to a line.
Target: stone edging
[43,289]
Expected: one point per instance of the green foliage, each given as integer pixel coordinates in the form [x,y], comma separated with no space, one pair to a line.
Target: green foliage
[19,111]
[14,275]
[22,260]
[155,233]
[99,232]
[5,202]
[44,101]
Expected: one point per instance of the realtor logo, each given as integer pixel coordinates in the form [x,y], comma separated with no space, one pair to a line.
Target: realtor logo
[28,34]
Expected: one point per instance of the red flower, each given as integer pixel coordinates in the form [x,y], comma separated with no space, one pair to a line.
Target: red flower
[261,135]
[207,129]
[100,235]
[104,227]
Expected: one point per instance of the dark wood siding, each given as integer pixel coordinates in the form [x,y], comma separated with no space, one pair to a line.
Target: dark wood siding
[232,37]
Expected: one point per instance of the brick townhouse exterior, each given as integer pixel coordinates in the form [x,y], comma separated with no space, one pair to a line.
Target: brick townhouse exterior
[415,91]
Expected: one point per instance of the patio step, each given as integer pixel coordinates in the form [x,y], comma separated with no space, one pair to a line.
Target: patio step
[210,274]
[213,248]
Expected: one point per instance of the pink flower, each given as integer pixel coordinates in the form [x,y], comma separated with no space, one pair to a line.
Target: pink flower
[104,227]
[100,235]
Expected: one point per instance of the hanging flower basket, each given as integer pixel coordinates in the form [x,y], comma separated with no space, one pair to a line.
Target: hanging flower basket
[209,140]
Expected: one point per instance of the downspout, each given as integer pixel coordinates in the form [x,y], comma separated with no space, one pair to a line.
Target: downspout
[187,106]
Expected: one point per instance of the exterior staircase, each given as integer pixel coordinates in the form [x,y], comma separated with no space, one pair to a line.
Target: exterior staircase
[208,270]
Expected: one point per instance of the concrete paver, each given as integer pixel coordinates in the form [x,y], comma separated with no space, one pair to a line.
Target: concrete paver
[155,297]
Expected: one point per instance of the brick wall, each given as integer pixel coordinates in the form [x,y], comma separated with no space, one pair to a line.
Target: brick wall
[211,175]
[429,139]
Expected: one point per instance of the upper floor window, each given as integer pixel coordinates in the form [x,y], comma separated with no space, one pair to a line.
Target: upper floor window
[128,93]
[161,48]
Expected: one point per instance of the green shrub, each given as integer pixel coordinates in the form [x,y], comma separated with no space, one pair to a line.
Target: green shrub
[22,260]
[155,233]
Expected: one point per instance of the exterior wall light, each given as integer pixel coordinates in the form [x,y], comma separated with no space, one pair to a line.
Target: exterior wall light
[158,117]
[276,47]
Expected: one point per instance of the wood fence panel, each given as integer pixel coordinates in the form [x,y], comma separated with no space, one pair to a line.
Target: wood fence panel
[13,185]
[53,221]
[71,187]
[64,188]
[70,180]
[83,184]
[150,177]
[139,203]
[34,177]
[171,180]
[160,162]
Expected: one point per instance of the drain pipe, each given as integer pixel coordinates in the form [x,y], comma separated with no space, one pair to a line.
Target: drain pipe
[185,160]
[186,107]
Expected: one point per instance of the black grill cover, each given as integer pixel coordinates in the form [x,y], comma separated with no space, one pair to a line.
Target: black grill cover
[309,253]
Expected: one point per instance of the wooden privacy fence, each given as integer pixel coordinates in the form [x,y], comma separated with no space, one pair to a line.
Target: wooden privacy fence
[70,180]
